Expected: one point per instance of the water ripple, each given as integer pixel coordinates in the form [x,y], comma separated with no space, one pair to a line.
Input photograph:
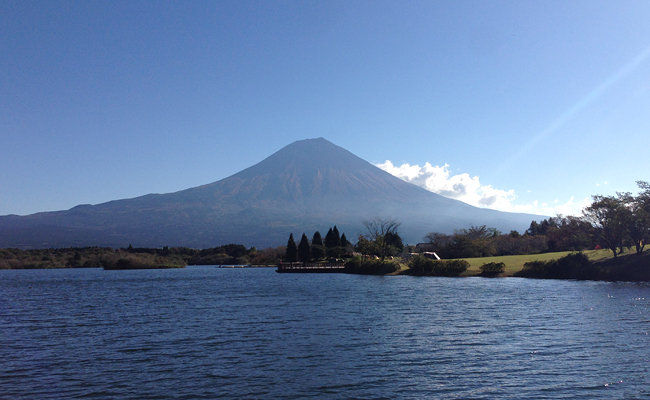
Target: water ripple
[251,333]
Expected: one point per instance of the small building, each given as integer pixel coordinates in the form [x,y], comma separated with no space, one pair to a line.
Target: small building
[424,247]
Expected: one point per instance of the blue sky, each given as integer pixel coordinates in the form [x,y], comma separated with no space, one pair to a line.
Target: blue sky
[516,105]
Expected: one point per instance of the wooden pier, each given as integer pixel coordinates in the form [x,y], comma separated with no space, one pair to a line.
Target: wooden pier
[297,267]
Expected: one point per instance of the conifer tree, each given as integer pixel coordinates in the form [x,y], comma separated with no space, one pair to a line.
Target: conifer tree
[329,237]
[304,254]
[330,240]
[317,248]
[336,240]
[344,241]
[333,243]
[292,250]
[317,239]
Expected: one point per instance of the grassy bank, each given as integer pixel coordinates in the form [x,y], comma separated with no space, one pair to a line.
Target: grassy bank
[513,264]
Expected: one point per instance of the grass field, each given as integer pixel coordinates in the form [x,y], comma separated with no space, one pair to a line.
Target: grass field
[516,263]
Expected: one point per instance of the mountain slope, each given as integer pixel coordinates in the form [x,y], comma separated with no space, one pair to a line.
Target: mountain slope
[308,185]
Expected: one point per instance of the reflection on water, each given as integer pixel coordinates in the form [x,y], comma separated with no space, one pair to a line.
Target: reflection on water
[205,332]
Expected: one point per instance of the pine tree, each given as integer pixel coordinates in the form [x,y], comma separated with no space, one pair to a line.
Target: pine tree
[329,239]
[336,240]
[304,254]
[292,250]
[317,239]
[344,241]
[333,243]
[317,248]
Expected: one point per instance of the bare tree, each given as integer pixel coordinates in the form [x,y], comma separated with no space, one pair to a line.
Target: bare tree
[438,241]
[383,232]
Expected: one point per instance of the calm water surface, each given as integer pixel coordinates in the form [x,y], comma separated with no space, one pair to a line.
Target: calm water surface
[205,332]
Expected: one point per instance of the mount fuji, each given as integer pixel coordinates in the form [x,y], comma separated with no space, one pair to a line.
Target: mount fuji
[306,186]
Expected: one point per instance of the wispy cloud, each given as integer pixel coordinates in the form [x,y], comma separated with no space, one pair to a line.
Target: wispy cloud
[580,105]
[468,189]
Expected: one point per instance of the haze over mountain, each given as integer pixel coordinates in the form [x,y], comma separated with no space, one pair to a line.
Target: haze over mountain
[308,185]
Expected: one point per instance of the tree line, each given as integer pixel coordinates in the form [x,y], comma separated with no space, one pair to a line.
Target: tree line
[99,257]
[552,234]
[611,222]
[381,239]
[334,245]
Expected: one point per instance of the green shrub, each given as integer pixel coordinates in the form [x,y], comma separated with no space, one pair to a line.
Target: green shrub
[492,268]
[422,266]
[364,266]
[451,267]
[571,266]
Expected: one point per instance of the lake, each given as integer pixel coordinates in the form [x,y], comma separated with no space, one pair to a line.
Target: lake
[207,332]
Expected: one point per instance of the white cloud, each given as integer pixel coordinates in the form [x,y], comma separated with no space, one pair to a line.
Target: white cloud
[571,207]
[468,189]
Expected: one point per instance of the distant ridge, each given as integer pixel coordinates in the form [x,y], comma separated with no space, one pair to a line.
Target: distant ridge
[306,186]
